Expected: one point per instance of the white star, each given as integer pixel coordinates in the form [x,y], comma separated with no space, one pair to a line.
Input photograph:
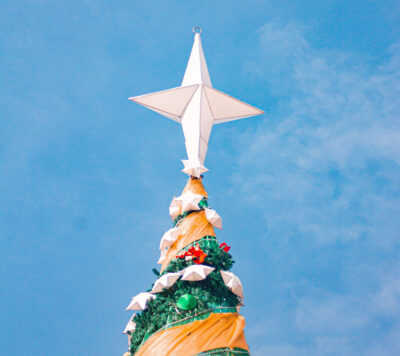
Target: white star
[175,208]
[197,106]
[131,326]
[163,255]
[193,167]
[233,283]
[169,237]
[166,281]
[139,302]
[196,272]
[189,201]
[213,218]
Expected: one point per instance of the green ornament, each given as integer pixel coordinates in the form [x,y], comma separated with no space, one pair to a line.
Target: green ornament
[187,302]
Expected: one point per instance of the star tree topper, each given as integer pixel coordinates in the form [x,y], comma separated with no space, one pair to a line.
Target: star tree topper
[197,106]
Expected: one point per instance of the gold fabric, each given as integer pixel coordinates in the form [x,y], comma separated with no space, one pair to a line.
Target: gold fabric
[217,331]
[195,186]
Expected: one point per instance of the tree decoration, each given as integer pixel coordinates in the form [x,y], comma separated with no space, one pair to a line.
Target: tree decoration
[216,257]
[163,254]
[196,272]
[166,281]
[174,208]
[197,106]
[213,218]
[224,247]
[189,201]
[187,302]
[130,328]
[139,302]
[233,283]
[169,238]
[194,253]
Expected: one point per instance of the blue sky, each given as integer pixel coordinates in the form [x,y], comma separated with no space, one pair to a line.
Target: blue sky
[309,193]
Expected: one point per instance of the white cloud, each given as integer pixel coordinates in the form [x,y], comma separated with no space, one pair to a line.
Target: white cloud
[326,164]
[340,121]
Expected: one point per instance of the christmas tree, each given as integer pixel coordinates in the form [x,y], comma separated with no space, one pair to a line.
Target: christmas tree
[192,308]
[196,297]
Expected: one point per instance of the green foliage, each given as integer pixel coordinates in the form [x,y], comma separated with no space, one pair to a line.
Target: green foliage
[218,258]
[177,265]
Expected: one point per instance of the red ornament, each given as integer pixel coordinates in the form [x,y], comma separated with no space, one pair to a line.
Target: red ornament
[224,247]
[196,254]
